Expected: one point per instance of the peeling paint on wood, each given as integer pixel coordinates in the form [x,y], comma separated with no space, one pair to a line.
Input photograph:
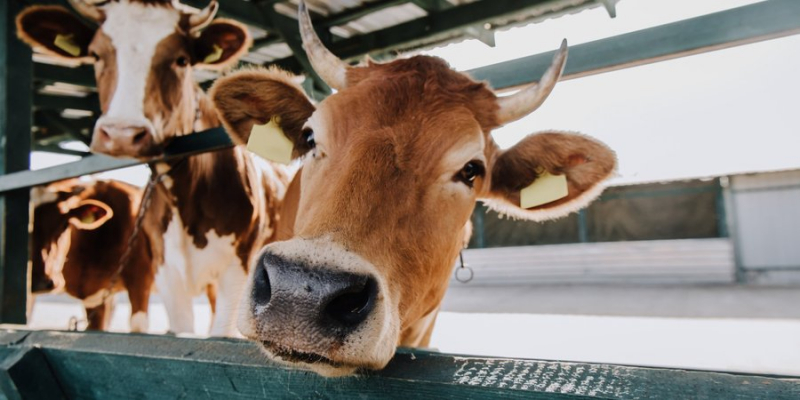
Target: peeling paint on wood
[106,365]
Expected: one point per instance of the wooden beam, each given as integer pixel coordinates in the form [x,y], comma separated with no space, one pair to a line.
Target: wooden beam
[167,367]
[738,26]
[25,374]
[16,72]
[200,142]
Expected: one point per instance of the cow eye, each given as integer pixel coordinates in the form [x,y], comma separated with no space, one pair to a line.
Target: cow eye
[308,134]
[182,61]
[471,170]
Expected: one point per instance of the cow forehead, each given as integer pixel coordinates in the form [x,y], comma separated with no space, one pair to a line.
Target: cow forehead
[422,136]
[136,28]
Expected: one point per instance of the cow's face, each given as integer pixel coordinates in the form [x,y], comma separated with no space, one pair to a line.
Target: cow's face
[393,164]
[143,54]
[56,209]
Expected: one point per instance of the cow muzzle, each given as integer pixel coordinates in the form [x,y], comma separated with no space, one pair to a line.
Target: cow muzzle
[314,313]
[120,138]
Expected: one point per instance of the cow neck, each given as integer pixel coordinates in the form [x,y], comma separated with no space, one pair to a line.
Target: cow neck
[204,118]
[199,187]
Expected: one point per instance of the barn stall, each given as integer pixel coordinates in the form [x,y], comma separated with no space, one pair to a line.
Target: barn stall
[62,107]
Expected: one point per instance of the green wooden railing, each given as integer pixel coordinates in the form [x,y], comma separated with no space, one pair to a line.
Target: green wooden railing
[55,365]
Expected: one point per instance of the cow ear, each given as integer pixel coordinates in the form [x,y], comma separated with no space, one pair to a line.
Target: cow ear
[249,97]
[90,214]
[560,173]
[56,31]
[221,44]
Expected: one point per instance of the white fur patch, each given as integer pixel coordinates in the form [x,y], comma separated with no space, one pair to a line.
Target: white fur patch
[188,270]
[96,299]
[139,322]
[41,195]
[135,30]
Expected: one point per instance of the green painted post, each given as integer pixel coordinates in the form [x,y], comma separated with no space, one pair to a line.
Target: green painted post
[16,72]
[722,217]
[477,226]
[583,229]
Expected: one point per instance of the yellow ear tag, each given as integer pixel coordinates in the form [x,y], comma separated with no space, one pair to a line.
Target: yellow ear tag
[270,142]
[213,57]
[545,189]
[65,42]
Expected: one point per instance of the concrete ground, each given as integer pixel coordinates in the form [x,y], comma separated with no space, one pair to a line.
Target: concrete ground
[723,328]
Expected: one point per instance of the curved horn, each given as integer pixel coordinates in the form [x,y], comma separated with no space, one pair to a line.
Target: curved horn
[330,68]
[89,11]
[201,20]
[530,98]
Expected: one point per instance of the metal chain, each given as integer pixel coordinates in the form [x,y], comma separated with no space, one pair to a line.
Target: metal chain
[155,178]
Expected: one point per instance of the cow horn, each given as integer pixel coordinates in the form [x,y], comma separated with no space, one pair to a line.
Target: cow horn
[89,11]
[201,19]
[330,68]
[530,98]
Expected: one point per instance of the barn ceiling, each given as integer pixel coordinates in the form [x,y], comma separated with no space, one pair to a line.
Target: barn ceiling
[65,101]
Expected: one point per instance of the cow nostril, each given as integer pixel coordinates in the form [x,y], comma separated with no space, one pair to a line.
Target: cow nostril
[104,134]
[139,137]
[262,292]
[353,305]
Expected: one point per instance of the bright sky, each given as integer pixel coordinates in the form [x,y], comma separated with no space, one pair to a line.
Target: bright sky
[728,111]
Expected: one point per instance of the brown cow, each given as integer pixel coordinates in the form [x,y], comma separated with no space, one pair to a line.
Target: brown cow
[397,158]
[80,232]
[213,210]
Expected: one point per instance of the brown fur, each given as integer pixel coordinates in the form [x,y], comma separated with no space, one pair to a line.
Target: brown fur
[38,26]
[93,256]
[277,96]
[375,186]
[207,188]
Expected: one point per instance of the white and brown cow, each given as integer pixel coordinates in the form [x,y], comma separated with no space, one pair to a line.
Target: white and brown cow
[212,210]
[80,232]
[375,219]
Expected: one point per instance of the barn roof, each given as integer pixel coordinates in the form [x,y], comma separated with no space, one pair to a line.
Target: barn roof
[66,104]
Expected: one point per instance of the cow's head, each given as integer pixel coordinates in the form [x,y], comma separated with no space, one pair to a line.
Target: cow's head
[57,208]
[143,54]
[392,166]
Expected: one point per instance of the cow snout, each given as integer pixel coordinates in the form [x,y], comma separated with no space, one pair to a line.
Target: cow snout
[290,296]
[121,139]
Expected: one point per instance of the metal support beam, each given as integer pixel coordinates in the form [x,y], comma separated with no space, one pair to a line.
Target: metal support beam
[54,102]
[16,72]
[738,26]
[290,32]
[50,124]
[424,29]
[476,31]
[243,11]
[200,142]
[81,76]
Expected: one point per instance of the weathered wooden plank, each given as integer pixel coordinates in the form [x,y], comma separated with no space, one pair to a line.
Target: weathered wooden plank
[25,374]
[89,365]
[743,25]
